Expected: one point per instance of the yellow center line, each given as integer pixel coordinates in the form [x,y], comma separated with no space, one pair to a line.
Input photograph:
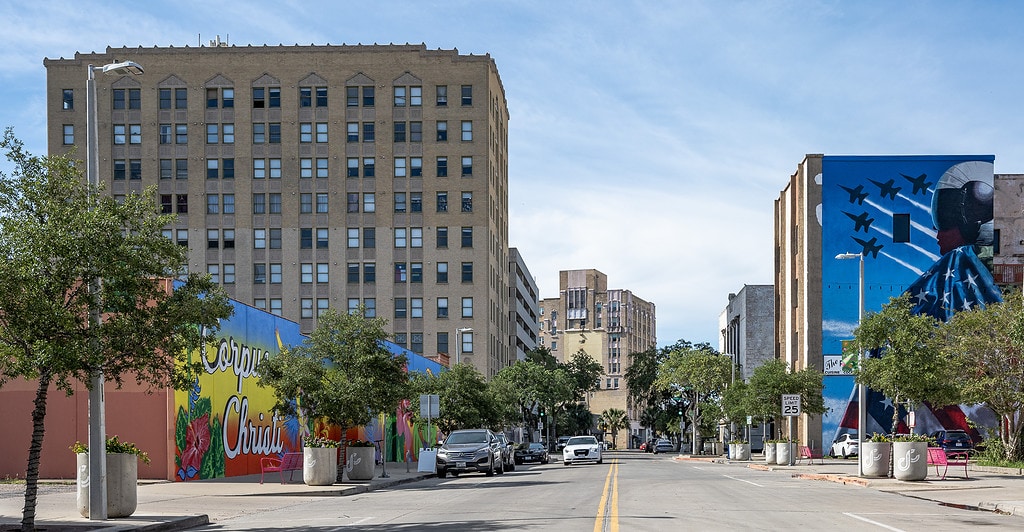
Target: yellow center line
[611,481]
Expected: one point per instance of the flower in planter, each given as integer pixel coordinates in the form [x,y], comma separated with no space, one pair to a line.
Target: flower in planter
[310,440]
[360,443]
[114,446]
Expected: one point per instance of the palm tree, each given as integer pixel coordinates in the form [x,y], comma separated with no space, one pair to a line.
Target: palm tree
[614,420]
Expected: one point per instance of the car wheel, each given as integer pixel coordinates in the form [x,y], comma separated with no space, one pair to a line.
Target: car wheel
[442,472]
[490,469]
[831,453]
[844,453]
[455,474]
[600,460]
[565,462]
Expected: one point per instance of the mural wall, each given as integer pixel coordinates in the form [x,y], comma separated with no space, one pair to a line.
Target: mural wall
[225,423]
[924,227]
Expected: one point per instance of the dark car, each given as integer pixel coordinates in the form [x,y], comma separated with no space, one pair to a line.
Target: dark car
[466,451]
[532,453]
[953,440]
[560,443]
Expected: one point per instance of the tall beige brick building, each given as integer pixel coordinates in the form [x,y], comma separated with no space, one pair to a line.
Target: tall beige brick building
[608,325]
[315,177]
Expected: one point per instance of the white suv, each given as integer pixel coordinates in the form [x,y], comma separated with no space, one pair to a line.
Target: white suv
[845,445]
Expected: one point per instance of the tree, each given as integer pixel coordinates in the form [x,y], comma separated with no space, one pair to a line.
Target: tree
[463,395]
[341,373]
[697,373]
[522,386]
[913,366]
[583,372]
[771,380]
[986,346]
[613,420]
[72,254]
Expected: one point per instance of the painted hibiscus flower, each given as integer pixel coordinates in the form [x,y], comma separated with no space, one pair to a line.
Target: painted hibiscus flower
[197,442]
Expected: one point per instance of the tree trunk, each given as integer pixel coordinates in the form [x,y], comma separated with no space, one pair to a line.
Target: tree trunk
[343,449]
[28,519]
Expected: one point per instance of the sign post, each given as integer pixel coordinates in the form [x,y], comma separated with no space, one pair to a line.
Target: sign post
[430,407]
[791,409]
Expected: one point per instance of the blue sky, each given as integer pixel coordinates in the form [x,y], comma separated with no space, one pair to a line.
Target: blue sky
[647,140]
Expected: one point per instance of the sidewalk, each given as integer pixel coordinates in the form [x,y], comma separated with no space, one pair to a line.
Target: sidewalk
[167,506]
[988,488]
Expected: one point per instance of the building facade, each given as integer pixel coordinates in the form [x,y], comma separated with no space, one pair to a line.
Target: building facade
[747,326]
[606,324]
[919,225]
[313,177]
[524,300]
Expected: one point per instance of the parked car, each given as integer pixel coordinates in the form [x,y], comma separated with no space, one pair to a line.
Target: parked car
[953,440]
[581,449]
[467,451]
[560,443]
[531,452]
[845,445]
[508,460]
[663,446]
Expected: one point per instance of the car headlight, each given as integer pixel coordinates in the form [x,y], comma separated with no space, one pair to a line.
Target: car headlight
[594,449]
[442,454]
[482,452]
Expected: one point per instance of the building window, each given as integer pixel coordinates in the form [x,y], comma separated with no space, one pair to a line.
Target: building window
[275,273]
[400,96]
[400,167]
[467,130]
[119,134]
[275,203]
[442,237]
[416,309]
[135,169]
[212,204]
[322,238]
[442,202]
[321,96]
[322,304]
[400,339]
[369,237]
[400,238]
[415,131]
[416,166]
[369,167]
[229,274]
[442,273]
[306,273]
[228,168]
[183,237]
[400,308]
[306,238]
[306,132]
[416,345]
[224,98]
[306,305]
[181,133]
[370,306]
[69,134]
[442,307]
[368,132]
[118,98]
[229,238]
[442,342]
[306,168]
[467,237]
[119,169]
[212,133]
[442,167]
[399,131]
[467,166]
[416,237]
[321,202]
[370,272]
[275,238]
[259,274]
[260,303]
[166,204]
[228,133]
[181,168]
[214,271]
[399,201]
[401,274]
[180,98]
[321,131]
[467,202]
[467,341]
[415,202]
[442,131]
[352,132]
[166,134]
[274,129]
[259,133]
[416,272]
[352,276]
[369,202]
[259,204]
[467,272]
[182,203]
[353,238]
[442,95]
[467,95]
[165,98]
[305,203]
[212,169]
[259,238]
[68,98]
[166,168]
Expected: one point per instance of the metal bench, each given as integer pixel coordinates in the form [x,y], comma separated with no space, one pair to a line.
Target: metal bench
[290,462]
[937,456]
[810,454]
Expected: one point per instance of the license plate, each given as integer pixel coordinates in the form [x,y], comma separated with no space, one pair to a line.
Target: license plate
[460,464]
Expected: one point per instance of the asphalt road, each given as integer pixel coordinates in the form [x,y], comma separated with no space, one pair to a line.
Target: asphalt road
[628,492]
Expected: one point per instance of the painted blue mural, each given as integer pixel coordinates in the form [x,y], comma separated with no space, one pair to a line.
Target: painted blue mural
[924,226]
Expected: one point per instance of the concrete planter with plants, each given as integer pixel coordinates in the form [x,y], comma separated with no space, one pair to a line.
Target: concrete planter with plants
[319,461]
[769,452]
[910,457]
[784,452]
[739,450]
[874,455]
[360,459]
[122,477]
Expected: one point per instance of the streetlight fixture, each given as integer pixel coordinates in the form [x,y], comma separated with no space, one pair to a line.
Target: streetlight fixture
[458,339]
[861,389]
[97,419]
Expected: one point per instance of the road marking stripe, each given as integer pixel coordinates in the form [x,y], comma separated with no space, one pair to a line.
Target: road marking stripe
[612,481]
[741,480]
[876,523]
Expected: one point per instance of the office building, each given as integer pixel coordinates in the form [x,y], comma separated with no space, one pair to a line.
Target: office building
[313,177]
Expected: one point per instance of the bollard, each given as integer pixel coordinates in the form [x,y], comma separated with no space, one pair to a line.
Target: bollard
[407,461]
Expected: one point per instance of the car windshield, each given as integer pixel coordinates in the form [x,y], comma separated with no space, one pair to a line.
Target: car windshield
[582,440]
[467,437]
[537,446]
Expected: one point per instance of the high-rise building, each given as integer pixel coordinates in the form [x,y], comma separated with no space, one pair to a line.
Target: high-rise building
[747,327]
[315,177]
[524,300]
[606,324]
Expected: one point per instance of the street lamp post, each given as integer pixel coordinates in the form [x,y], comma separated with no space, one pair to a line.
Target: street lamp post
[861,389]
[97,417]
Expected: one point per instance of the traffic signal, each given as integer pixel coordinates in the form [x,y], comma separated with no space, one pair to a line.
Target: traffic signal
[680,410]
[542,413]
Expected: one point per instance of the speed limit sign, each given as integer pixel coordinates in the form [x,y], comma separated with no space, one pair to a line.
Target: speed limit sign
[791,405]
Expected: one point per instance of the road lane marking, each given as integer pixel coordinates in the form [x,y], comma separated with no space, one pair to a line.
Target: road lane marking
[741,480]
[609,521]
[876,523]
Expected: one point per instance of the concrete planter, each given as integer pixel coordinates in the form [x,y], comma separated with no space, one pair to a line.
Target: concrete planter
[784,453]
[874,458]
[122,484]
[910,460]
[739,451]
[319,465]
[359,462]
[769,453]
